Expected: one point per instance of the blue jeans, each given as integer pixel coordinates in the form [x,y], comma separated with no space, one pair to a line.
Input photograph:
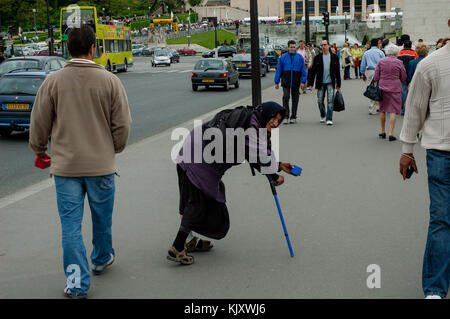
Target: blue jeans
[436,262]
[328,88]
[70,193]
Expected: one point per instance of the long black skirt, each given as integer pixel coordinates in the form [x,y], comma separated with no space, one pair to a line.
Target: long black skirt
[201,214]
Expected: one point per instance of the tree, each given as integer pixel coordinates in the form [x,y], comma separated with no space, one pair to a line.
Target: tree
[194,3]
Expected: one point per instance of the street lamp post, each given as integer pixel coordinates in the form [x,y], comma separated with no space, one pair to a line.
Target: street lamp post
[104,17]
[345,27]
[35,31]
[128,11]
[307,35]
[256,62]
[50,30]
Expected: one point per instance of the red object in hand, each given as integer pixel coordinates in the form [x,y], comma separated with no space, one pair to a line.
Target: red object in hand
[43,162]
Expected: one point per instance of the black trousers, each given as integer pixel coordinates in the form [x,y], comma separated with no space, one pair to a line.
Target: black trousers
[201,214]
[287,92]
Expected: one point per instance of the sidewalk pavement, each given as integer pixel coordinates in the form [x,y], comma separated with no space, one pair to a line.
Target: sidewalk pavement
[348,210]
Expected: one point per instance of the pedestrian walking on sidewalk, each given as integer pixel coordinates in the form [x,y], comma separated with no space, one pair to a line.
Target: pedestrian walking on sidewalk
[291,71]
[326,72]
[84,109]
[368,64]
[304,52]
[422,51]
[427,106]
[202,192]
[406,55]
[391,74]
[347,58]
[357,54]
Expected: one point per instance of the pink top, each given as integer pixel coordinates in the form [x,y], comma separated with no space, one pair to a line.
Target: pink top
[302,52]
[390,72]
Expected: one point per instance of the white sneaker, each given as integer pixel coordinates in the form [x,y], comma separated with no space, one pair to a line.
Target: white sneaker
[293,121]
[99,269]
[329,123]
[322,120]
[433,297]
[286,121]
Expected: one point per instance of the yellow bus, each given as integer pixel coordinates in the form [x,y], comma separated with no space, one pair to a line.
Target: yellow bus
[114,50]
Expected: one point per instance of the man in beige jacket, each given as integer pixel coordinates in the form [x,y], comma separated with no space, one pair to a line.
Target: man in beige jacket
[84,109]
[428,109]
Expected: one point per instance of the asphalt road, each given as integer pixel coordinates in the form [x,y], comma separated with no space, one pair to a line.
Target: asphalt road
[159,98]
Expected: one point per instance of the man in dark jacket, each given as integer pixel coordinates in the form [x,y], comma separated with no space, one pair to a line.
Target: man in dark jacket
[291,70]
[406,55]
[326,72]
[202,192]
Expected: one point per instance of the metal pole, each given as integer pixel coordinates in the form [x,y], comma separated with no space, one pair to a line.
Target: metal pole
[50,30]
[307,35]
[35,31]
[345,27]
[189,29]
[256,62]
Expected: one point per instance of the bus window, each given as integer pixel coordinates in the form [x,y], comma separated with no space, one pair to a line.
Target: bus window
[116,46]
[108,46]
[99,48]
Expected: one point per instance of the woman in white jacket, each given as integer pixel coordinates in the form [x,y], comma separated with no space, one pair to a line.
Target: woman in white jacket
[347,62]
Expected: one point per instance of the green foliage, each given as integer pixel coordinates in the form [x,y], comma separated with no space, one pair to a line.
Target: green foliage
[365,40]
[194,2]
[20,12]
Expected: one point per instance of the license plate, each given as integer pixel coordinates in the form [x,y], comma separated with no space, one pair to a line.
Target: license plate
[208,81]
[18,106]
[244,65]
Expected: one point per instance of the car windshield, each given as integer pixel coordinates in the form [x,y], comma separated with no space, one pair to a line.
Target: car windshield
[11,65]
[209,65]
[161,53]
[242,58]
[20,86]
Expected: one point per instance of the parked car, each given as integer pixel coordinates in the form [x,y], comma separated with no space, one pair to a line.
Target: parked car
[226,51]
[186,51]
[137,49]
[17,94]
[272,59]
[148,51]
[208,54]
[174,56]
[214,72]
[243,64]
[34,63]
[46,53]
[161,57]
[262,55]
[17,52]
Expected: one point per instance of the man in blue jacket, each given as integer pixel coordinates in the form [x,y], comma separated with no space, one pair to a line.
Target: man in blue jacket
[291,70]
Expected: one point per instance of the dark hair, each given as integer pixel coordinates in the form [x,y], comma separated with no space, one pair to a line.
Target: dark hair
[291,42]
[301,41]
[420,40]
[80,41]
[325,39]
[407,44]
[374,42]
[405,37]
[385,42]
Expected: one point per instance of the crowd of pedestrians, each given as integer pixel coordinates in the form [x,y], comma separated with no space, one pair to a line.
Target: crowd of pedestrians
[84,109]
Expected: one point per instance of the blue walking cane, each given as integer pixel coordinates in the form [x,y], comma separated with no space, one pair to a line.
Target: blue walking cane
[274,192]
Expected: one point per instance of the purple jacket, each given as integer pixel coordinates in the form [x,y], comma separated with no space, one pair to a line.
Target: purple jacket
[207,177]
[390,73]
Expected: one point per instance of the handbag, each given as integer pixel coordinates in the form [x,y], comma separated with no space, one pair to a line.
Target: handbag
[374,92]
[339,104]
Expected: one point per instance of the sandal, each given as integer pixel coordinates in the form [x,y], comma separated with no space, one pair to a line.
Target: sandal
[198,245]
[180,257]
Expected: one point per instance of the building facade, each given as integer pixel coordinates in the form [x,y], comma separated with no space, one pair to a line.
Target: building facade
[426,19]
[295,9]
